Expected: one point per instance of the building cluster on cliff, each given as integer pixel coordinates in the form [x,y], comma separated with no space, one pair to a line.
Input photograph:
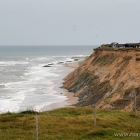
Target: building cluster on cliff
[127,45]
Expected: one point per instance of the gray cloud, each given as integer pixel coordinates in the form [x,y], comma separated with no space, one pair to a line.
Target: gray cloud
[68,22]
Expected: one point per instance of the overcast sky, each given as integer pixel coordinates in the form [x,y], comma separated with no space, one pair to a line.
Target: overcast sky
[69,22]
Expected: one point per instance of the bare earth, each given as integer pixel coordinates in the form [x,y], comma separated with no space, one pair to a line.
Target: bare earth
[111,77]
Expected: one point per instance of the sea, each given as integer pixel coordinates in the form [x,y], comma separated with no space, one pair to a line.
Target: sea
[31,76]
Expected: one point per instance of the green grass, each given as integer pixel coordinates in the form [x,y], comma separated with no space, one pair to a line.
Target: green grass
[107,59]
[127,57]
[69,124]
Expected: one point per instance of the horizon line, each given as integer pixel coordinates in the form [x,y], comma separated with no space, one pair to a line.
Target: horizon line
[48,45]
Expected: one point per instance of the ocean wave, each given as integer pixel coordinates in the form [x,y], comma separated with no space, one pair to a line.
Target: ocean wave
[40,59]
[36,86]
[11,102]
[63,56]
[8,106]
[40,73]
[7,63]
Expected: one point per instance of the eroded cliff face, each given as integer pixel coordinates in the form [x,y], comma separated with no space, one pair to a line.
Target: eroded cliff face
[108,78]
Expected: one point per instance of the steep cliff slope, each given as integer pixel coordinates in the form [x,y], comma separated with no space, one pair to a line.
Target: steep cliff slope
[108,78]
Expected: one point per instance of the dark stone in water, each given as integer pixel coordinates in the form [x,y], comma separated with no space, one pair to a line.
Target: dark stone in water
[68,61]
[76,59]
[60,62]
[46,66]
[51,64]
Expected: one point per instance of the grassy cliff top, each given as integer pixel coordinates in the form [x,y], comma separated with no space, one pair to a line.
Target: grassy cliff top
[69,124]
[106,48]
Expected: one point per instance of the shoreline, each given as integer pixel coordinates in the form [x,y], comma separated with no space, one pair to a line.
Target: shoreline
[67,103]
[72,65]
[70,101]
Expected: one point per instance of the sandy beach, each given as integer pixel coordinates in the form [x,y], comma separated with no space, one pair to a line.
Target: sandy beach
[71,100]
[67,103]
[72,65]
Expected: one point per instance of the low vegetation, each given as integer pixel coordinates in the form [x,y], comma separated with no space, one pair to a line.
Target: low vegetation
[106,59]
[69,124]
[127,57]
[107,48]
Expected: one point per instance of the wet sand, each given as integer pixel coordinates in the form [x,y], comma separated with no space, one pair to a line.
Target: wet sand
[67,103]
[71,100]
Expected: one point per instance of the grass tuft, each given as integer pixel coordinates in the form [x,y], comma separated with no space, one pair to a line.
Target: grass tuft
[127,57]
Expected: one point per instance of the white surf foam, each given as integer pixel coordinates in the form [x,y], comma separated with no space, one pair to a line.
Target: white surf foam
[7,63]
[36,85]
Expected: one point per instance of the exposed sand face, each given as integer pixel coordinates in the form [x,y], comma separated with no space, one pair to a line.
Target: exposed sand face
[116,75]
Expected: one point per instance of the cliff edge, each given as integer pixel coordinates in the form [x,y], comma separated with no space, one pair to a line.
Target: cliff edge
[109,78]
